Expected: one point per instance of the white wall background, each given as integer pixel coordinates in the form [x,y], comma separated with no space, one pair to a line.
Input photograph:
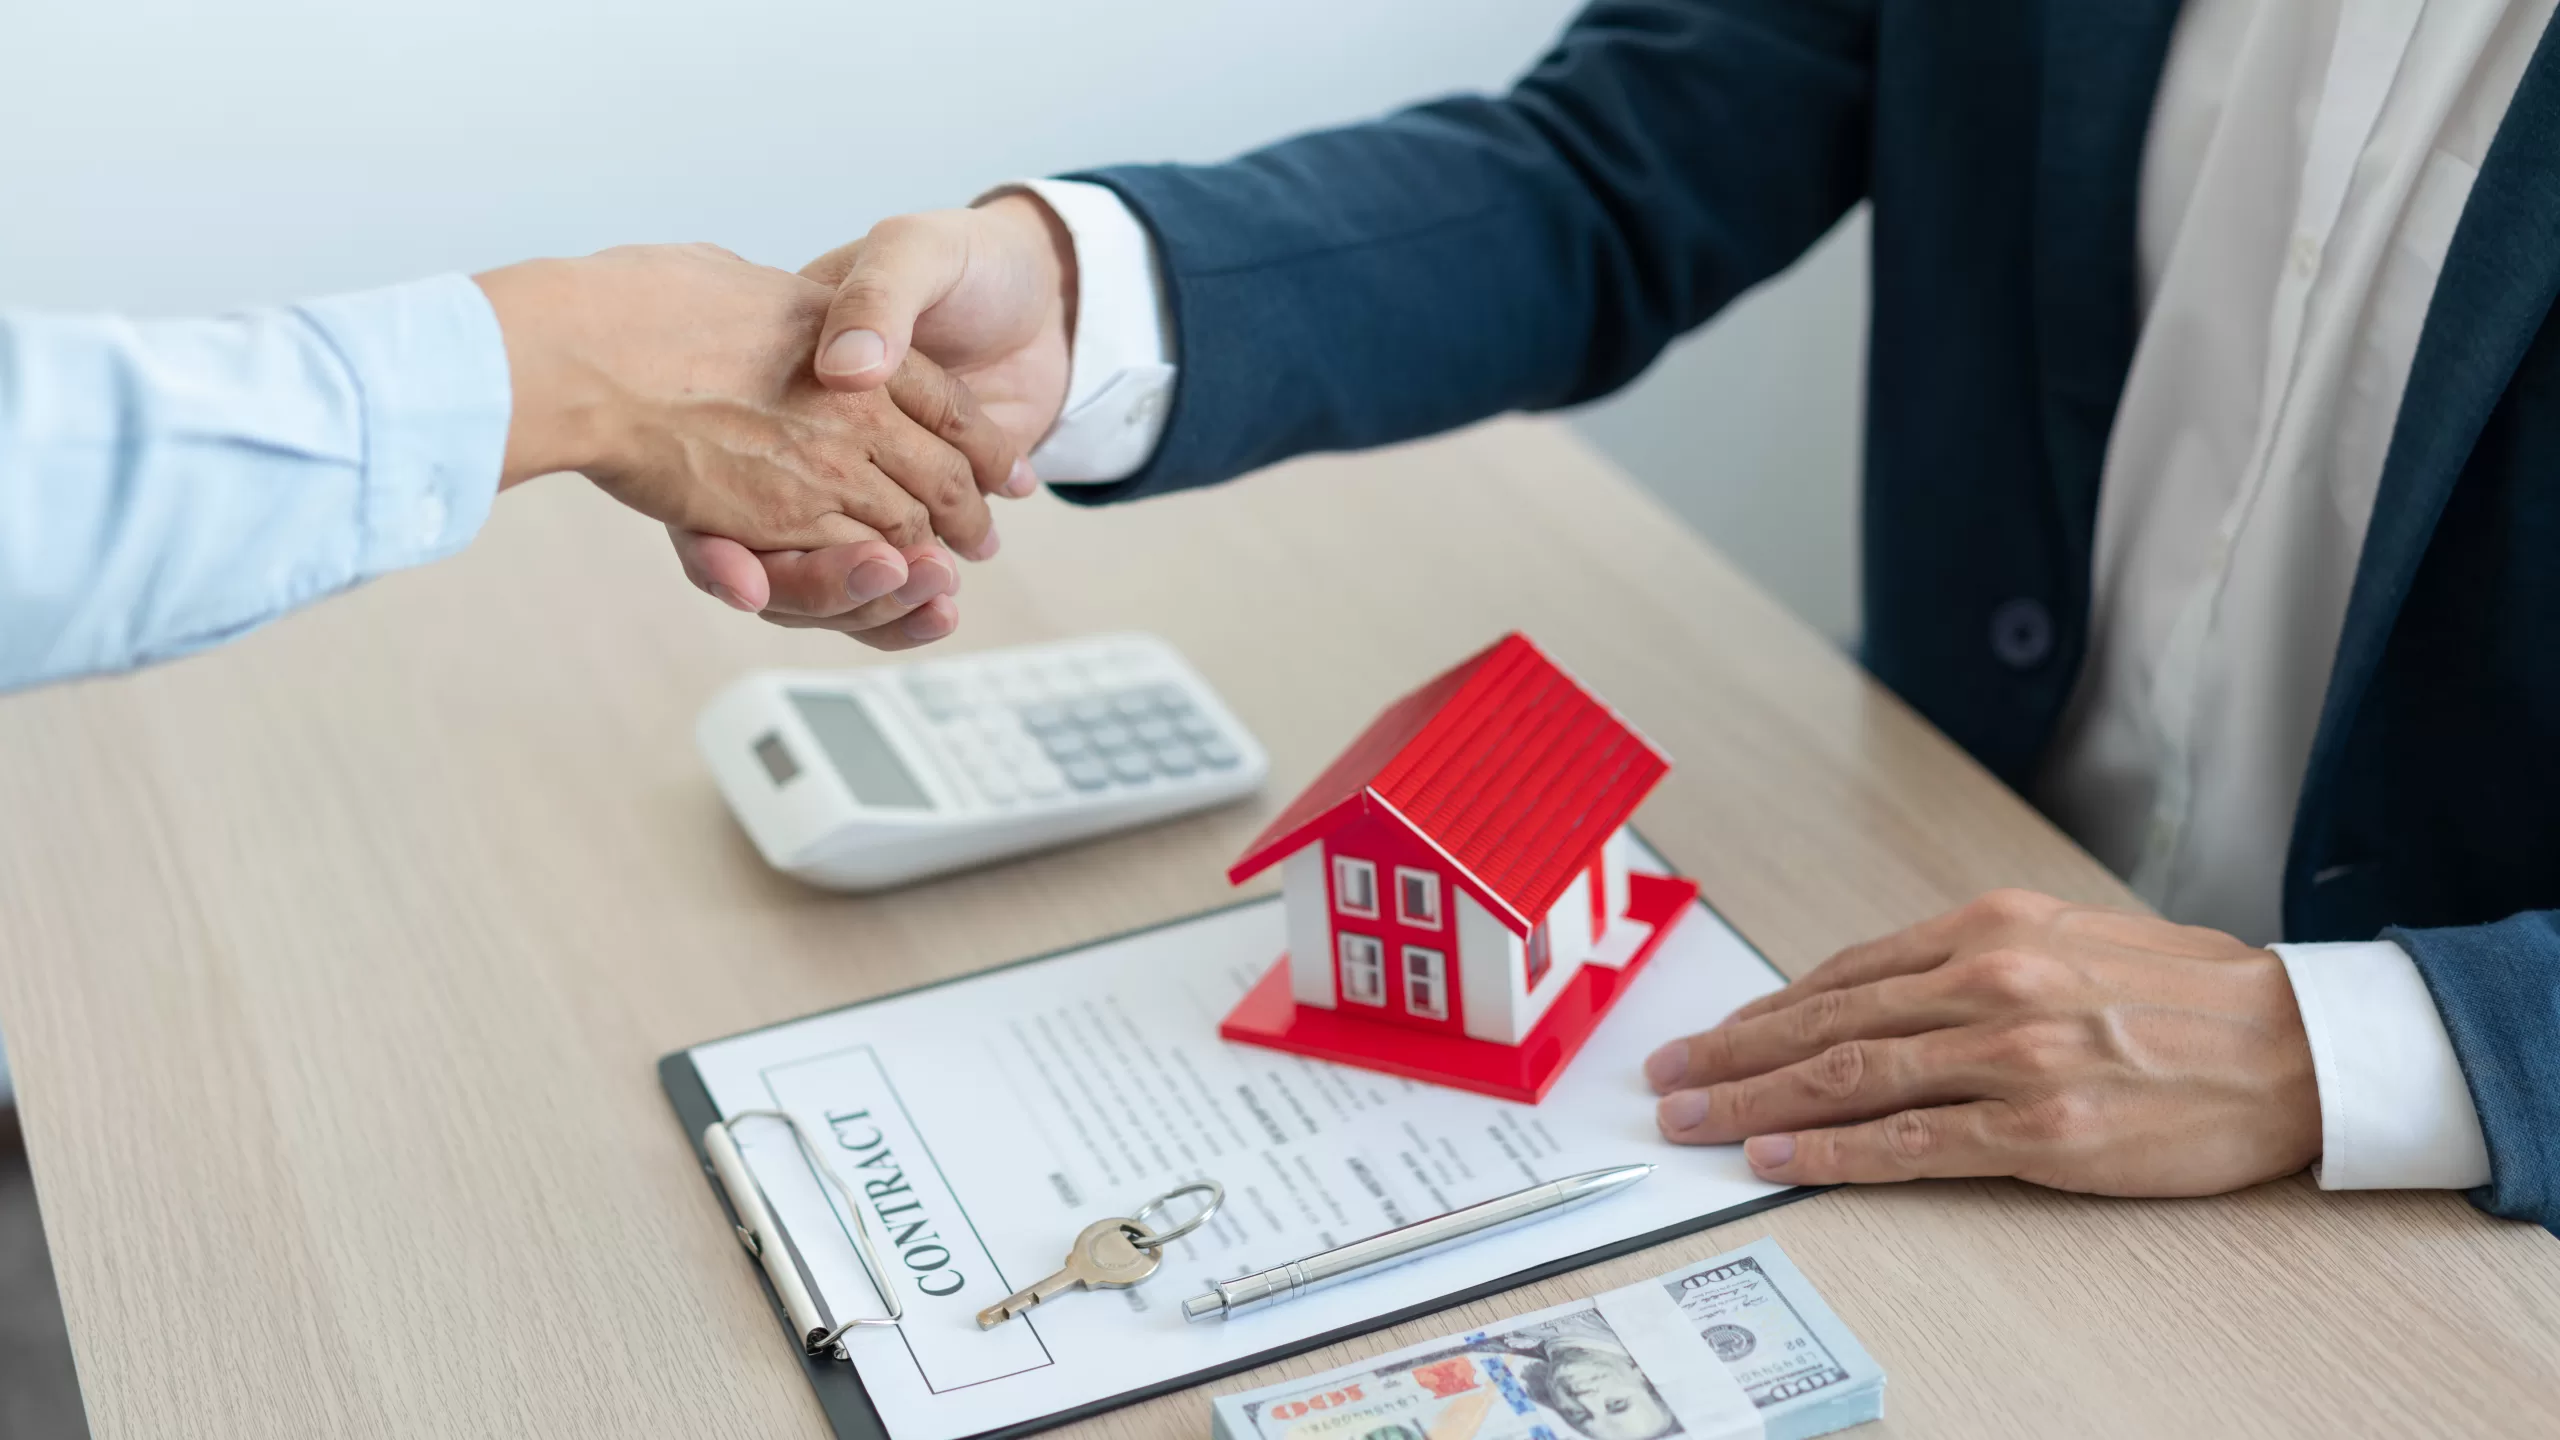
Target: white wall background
[159,156]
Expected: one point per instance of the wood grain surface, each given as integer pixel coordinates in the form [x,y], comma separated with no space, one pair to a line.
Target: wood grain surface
[334,966]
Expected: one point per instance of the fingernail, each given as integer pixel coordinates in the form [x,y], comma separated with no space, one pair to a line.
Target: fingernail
[853,353]
[925,579]
[1021,482]
[1682,1110]
[1664,1067]
[987,546]
[923,625]
[729,597]
[1768,1152]
[872,579]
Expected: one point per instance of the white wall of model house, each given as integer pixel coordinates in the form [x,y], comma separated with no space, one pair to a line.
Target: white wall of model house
[1496,1001]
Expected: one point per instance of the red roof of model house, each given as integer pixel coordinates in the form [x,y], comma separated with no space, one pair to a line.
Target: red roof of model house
[1504,764]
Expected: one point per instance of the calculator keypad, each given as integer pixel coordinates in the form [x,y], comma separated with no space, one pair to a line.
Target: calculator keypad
[1056,727]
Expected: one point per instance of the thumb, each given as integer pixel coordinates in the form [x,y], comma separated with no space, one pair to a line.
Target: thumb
[900,270]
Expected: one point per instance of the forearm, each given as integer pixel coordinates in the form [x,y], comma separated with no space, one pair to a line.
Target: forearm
[165,485]
[1365,285]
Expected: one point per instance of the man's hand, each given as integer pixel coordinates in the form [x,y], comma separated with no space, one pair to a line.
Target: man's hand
[679,379]
[2079,1048]
[895,601]
[989,293]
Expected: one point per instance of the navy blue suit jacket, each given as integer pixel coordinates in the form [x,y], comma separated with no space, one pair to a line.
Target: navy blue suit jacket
[1482,254]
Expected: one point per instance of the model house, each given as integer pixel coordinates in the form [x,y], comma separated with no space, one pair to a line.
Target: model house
[1456,886]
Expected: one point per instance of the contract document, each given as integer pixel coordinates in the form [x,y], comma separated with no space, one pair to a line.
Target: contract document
[984,1121]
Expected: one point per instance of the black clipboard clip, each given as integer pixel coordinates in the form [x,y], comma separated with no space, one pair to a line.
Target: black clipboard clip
[765,1239]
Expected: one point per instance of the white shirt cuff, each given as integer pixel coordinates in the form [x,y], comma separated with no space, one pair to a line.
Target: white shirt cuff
[430,368]
[1121,367]
[2395,1113]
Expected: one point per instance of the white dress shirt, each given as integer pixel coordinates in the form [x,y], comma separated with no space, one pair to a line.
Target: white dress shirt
[2307,162]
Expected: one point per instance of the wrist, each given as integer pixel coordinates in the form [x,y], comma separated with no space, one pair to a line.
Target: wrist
[2292,1078]
[1029,228]
[562,412]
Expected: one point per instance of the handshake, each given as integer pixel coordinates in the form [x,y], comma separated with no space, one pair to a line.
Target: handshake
[808,459]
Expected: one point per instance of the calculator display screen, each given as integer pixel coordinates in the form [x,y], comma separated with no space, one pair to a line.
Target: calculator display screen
[862,755]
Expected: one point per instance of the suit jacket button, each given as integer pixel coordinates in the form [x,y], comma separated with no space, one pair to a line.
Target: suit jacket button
[2021,633]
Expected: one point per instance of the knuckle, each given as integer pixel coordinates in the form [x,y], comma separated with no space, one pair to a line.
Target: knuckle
[1744,1108]
[900,520]
[2012,977]
[911,526]
[956,485]
[1911,1135]
[2008,906]
[1819,1015]
[1840,1072]
[938,406]
[864,290]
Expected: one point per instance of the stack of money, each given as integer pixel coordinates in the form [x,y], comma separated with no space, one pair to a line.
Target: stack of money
[1734,1348]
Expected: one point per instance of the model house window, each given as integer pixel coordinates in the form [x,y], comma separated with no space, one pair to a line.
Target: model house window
[1364,963]
[1418,898]
[1355,887]
[1541,954]
[1426,983]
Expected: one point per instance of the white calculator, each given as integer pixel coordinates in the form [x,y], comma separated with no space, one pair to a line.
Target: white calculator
[859,779]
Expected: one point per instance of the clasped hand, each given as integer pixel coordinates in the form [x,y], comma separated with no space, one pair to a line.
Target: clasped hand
[683,381]
[2079,1048]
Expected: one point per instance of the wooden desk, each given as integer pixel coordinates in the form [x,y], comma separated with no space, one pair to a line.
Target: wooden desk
[334,967]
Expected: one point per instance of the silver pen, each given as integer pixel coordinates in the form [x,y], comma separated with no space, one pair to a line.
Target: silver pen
[1411,1242]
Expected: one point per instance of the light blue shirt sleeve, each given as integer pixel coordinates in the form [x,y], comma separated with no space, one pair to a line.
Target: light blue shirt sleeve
[166,485]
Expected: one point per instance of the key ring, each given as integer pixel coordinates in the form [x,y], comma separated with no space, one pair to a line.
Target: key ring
[1217,1194]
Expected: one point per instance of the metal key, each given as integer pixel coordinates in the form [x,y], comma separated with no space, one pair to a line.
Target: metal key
[1105,1255]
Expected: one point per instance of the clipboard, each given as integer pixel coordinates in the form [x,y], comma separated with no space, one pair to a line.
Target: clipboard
[838,1385]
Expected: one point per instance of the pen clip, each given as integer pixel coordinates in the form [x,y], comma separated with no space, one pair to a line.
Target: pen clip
[765,1239]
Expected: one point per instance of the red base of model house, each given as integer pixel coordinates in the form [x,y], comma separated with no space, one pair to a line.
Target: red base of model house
[1524,1072]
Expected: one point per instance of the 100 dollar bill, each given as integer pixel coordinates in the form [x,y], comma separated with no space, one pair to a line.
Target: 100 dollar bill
[1550,1376]
[1737,1346]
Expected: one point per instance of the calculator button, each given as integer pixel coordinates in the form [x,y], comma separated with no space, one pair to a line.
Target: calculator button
[1086,774]
[1042,781]
[1067,745]
[1088,710]
[1198,726]
[938,698]
[1132,767]
[1176,758]
[1133,704]
[1044,717]
[998,786]
[1169,697]
[1219,754]
[1110,737]
[1152,732]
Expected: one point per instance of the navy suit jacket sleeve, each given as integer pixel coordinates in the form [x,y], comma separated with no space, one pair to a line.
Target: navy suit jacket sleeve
[2498,989]
[1358,286]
